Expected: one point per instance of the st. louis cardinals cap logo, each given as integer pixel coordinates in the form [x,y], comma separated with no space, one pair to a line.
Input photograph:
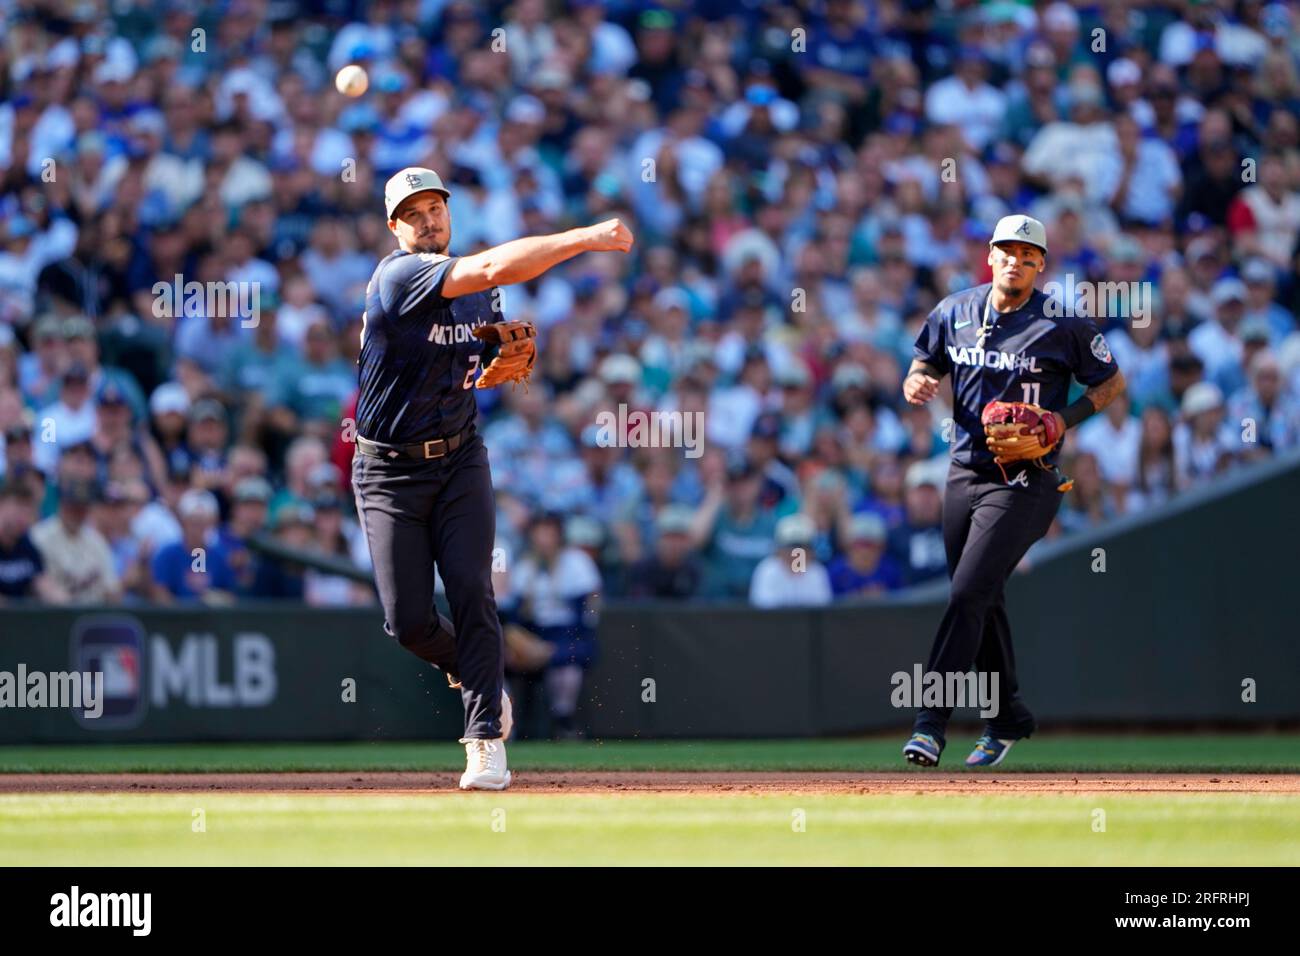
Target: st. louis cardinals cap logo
[407,182]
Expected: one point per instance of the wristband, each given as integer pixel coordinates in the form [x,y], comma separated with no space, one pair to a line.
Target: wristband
[1078,411]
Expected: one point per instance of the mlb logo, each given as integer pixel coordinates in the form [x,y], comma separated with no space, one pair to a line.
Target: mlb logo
[114,647]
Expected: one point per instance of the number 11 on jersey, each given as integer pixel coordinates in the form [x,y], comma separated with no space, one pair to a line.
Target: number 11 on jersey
[1031,392]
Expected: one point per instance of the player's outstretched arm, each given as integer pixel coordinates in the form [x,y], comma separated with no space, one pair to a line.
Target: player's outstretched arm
[922,383]
[522,259]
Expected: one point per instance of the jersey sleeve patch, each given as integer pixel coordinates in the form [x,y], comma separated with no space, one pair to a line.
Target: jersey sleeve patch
[1100,350]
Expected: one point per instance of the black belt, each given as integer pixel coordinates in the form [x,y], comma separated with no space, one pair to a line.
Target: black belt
[420,451]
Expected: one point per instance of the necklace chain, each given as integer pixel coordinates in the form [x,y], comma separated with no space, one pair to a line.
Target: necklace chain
[986,326]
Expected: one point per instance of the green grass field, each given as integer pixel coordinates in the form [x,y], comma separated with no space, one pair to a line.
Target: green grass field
[1047,752]
[488,829]
[451,828]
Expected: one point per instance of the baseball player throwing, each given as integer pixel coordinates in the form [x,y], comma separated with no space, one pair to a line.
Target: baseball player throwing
[421,477]
[1011,364]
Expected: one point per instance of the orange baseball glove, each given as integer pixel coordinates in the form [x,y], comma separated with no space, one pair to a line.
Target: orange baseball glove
[510,353]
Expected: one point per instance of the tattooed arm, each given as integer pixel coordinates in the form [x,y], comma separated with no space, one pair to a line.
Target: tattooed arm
[1109,390]
[1094,400]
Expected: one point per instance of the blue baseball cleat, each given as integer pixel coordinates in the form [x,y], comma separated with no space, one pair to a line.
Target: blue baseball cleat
[988,752]
[923,750]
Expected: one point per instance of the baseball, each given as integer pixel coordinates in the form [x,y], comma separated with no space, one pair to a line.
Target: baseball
[352,80]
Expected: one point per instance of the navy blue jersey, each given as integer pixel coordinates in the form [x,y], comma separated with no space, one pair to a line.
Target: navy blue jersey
[1028,357]
[418,357]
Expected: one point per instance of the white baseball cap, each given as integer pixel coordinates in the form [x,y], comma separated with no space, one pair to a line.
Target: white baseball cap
[1060,16]
[794,530]
[674,519]
[525,109]
[198,503]
[619,369]
[1228,290]
[169,397]
[929,472]
[408,182]
[1020,229]
[1123,72]
[1201,397]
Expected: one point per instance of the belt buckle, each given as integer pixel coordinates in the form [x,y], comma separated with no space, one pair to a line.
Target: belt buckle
[435,441]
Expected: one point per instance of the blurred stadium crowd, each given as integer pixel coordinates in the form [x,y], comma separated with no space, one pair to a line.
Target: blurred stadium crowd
[805,181]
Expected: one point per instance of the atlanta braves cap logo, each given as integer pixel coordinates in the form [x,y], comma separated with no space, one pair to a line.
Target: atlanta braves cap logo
[1020,228]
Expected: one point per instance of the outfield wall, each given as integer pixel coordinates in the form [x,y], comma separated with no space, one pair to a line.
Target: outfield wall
[1196,598]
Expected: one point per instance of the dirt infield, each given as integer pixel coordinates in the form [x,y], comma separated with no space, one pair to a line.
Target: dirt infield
[644,781]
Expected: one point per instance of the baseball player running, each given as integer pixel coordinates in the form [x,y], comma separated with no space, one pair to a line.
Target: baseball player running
[421,477]
[1011,363]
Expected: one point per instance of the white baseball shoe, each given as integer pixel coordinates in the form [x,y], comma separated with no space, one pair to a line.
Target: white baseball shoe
[485,765]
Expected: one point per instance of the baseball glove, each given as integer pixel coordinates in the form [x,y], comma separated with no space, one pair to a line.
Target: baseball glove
[525,651]
[510,353]
[1008,428]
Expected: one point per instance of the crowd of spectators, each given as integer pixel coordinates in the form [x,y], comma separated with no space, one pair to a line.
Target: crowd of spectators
[805,181]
